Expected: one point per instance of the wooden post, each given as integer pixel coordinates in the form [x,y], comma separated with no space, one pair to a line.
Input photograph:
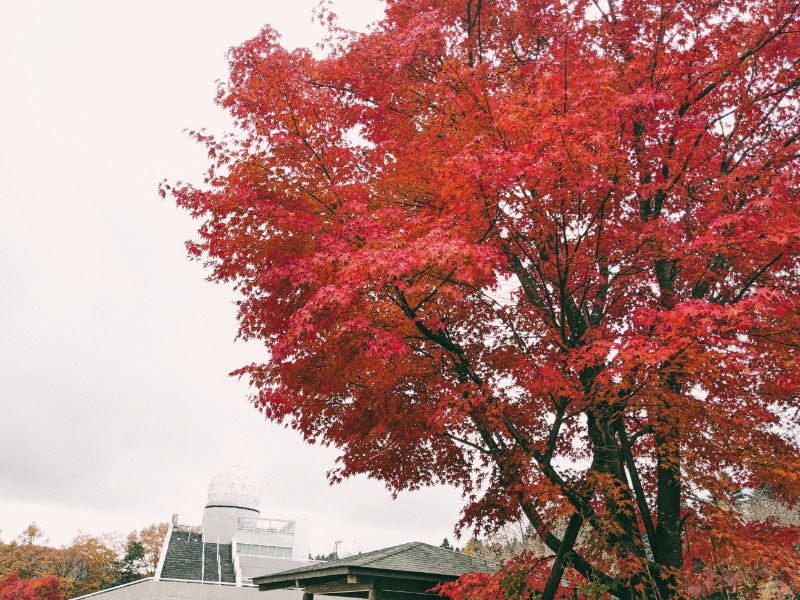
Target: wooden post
[374,593]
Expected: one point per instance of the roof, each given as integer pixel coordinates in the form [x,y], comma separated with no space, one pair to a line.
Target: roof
[411,568]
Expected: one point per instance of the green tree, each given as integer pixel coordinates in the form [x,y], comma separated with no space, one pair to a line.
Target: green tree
[133,563]
[152,540]
[329,556]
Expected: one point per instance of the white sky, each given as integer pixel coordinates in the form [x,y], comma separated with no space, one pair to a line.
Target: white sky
[115,405]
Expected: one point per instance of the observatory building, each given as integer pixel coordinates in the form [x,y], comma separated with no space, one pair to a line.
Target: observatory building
[234,543]
[218,559]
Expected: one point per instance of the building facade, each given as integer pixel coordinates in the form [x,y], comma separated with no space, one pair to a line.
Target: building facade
[218,559]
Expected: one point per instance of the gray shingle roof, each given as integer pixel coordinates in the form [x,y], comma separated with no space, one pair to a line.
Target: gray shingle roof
[410,558]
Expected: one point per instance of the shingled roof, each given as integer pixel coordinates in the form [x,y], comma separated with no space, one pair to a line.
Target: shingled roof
[399,572]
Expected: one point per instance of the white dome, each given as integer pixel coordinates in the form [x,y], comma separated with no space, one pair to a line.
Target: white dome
[345,549]
[235,486]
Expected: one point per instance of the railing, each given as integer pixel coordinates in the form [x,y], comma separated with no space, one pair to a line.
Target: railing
[163,555]
[203,561]
[237,569]
[200,582]
[198,529]
[286,526]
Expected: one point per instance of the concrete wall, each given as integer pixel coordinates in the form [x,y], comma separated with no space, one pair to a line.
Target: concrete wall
[220,522]
[172,590]
[255,566]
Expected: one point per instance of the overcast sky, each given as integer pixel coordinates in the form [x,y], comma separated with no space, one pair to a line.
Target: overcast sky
[115,405]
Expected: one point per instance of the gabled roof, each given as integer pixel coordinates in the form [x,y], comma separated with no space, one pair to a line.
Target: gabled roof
[413,566]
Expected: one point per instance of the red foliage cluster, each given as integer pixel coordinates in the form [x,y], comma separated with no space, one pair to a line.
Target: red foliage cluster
[546,251]
[44,588]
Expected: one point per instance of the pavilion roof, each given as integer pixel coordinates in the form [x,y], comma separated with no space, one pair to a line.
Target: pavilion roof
[399,571]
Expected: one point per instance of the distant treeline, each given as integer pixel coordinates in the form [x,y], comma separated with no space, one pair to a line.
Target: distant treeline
[30,569]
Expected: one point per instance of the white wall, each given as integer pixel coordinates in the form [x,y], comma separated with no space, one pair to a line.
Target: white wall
[169,590]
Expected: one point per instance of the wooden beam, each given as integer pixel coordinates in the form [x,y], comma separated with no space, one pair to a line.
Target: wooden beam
[412,587]
[390,595]
[354,594]
[336,587]
[363,593]
[364,584]
[402,575]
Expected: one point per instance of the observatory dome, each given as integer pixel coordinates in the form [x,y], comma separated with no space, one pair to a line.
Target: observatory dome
[346,549]
[235,487]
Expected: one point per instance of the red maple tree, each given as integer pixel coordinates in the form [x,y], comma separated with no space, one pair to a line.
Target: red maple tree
[41,588]
[545,251]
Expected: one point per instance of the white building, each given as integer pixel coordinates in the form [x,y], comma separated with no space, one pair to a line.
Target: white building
[218,559]
[234,542]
